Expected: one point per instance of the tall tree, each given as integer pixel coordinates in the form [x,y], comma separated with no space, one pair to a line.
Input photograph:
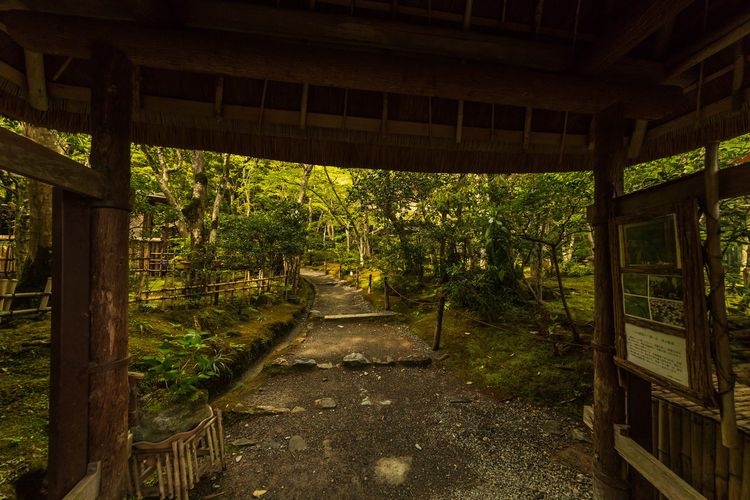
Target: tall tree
[34,222]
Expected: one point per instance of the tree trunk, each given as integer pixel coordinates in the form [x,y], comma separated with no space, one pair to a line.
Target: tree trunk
[160,167]
[745,264]
[307,172]
[556,266]
[220,189]
[195,210]
[34,226]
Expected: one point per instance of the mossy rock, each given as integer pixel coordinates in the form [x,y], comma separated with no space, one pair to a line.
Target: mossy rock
[164,414]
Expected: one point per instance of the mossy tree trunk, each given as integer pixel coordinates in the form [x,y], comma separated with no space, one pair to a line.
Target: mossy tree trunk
[34,223]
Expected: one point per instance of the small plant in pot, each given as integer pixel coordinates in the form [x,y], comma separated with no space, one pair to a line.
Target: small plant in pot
[178,402]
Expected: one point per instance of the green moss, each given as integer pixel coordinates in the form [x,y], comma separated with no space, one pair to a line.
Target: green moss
[24,367]
[510,361]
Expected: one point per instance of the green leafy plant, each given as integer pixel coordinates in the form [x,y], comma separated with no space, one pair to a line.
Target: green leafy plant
[186,361]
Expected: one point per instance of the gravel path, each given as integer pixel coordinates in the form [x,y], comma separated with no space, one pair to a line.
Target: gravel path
[395,431]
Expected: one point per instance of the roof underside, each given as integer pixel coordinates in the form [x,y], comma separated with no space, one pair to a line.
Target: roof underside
[428,85]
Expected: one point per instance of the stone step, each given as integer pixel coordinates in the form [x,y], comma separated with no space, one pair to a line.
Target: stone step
[378,314]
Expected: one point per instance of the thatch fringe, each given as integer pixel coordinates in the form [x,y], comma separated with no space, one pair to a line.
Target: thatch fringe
[683,139]
[314,145]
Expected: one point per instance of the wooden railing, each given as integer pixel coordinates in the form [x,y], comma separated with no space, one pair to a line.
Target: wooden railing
[234,288]
[8,295]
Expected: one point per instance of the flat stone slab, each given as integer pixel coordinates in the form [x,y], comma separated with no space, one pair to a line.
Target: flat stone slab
[379,314]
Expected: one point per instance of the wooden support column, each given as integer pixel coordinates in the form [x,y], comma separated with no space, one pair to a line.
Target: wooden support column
[69,387]
[719,330]
[609,161]
[111,105]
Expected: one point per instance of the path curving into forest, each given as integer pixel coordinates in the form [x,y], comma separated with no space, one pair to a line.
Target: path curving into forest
[322,430]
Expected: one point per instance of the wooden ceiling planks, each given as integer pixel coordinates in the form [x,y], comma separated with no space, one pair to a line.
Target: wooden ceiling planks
[476,74]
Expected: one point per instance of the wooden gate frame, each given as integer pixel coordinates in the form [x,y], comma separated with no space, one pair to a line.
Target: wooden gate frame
[88,376]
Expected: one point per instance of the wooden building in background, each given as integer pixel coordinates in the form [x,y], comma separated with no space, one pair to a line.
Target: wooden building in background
[494,86]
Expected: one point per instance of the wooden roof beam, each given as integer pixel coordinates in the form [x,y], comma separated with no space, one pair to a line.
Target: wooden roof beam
[241,56]
[737,28]
[35,80]
[630,29]
[25,157]
[376,34]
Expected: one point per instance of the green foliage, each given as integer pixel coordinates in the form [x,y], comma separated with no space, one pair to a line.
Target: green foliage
[186,361]
[263,238]
[483,291]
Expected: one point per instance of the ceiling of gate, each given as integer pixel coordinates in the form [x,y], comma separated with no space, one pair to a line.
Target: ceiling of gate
[424,85]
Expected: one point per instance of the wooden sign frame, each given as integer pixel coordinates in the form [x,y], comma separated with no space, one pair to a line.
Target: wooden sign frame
[652,336]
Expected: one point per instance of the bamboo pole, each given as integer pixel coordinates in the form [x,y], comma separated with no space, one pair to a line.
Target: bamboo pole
[735,473]
[696,424]
[709,457]
[745,492]
[686,442]
[663,433]
[675,460]
[729,435]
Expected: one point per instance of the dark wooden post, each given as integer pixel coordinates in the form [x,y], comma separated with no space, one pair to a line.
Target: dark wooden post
[69,384]
[386,294]
[439,324]
[609,408]
[111,98]
[369,284]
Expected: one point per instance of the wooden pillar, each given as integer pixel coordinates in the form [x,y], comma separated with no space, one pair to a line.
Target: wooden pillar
[609,160]
[111,98]
[69,388]
[719,329]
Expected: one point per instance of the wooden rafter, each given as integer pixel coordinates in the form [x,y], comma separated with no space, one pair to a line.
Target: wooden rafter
[629,30]
[303,106]
[734,30]
[219,96]
[240,56]
[25,157]
[35,79]
[359,32]
[636,140]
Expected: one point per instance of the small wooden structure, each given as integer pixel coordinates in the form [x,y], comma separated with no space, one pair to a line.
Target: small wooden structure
[172,467]
[424,85]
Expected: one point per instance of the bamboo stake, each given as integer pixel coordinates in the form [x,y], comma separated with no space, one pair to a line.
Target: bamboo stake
[745,492]
[722,469]
[709,457]
[696,447]
[686,442]
[735,473]
[675,460]
[663,433]
[729,435]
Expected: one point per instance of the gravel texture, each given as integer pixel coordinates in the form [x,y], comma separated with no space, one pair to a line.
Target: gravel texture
[395,431]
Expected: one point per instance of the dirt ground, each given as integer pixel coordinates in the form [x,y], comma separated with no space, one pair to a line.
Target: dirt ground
[395,431]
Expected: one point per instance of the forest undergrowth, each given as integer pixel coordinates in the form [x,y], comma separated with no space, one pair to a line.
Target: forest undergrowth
[235,327]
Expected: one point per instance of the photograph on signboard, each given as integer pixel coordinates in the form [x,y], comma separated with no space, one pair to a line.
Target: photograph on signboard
[654,297]
[635,284]
[665,287]
[652,243]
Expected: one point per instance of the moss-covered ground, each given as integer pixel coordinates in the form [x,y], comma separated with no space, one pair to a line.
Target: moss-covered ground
[245,329]
[512,358]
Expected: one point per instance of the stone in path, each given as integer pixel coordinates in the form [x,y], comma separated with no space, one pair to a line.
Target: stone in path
[355,360]
[297,443]
[325,403]
[420,360]
[392,470]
